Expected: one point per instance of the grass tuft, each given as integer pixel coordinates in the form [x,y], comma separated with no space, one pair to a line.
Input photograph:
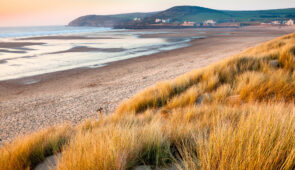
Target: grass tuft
[26,153]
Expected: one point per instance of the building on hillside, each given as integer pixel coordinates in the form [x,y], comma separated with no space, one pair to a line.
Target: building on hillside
[188,24]
[157,20]
[209,23]
[290,22]
[165,20]
[136,19]
[276,23]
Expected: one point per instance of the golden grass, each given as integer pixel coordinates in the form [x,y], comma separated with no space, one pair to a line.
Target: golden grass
[252,136]
[115,147]
[27,152]
[249,74]
[263,139]
[235,114]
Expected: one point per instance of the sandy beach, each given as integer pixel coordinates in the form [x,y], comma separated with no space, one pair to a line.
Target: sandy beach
[33,103]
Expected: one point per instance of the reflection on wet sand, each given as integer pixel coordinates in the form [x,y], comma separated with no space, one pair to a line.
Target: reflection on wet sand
[11,51]
[53,53]
[3,61]
[18,44]
[65,38]
[89,49]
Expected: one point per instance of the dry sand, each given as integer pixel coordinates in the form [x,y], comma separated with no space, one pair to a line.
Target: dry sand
[33,103]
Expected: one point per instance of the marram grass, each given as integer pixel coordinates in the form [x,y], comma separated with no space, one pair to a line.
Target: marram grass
[235,114]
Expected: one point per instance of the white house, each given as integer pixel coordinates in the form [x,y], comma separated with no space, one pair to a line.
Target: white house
[276,23]
[157,20]
[186,23]
[209,22]
[137,19]
[290,22]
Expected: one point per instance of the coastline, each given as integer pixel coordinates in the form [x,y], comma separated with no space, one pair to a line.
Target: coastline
[74,95]
[40,55]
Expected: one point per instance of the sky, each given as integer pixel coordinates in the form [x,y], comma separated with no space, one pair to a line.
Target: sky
[61,12]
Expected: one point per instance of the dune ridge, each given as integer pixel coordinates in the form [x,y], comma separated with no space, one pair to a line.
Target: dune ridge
[235,114]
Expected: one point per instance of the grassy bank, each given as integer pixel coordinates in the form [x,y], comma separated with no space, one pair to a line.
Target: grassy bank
[235,114]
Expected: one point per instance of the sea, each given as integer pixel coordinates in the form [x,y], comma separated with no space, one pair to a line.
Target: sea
[79,47]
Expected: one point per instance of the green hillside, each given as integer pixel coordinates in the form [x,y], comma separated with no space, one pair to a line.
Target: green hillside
[107,20]
[185,13]
[191,13]
[200,14]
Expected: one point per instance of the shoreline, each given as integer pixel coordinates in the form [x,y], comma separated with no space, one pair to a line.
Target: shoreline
[42,77]
[69,72]
[78,53]
[74,95]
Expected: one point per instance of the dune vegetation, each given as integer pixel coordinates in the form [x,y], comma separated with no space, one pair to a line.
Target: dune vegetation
[235,114]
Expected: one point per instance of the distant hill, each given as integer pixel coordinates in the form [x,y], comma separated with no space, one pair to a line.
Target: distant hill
[180,14]
[200,14]
[107,20]
[188,13]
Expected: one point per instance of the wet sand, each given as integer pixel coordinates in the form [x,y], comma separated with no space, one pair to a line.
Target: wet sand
[64,38]
[89,49]
[8,51]
[33,103]
[17,44]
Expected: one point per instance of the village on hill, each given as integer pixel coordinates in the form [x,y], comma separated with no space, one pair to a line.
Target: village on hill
[159,22]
